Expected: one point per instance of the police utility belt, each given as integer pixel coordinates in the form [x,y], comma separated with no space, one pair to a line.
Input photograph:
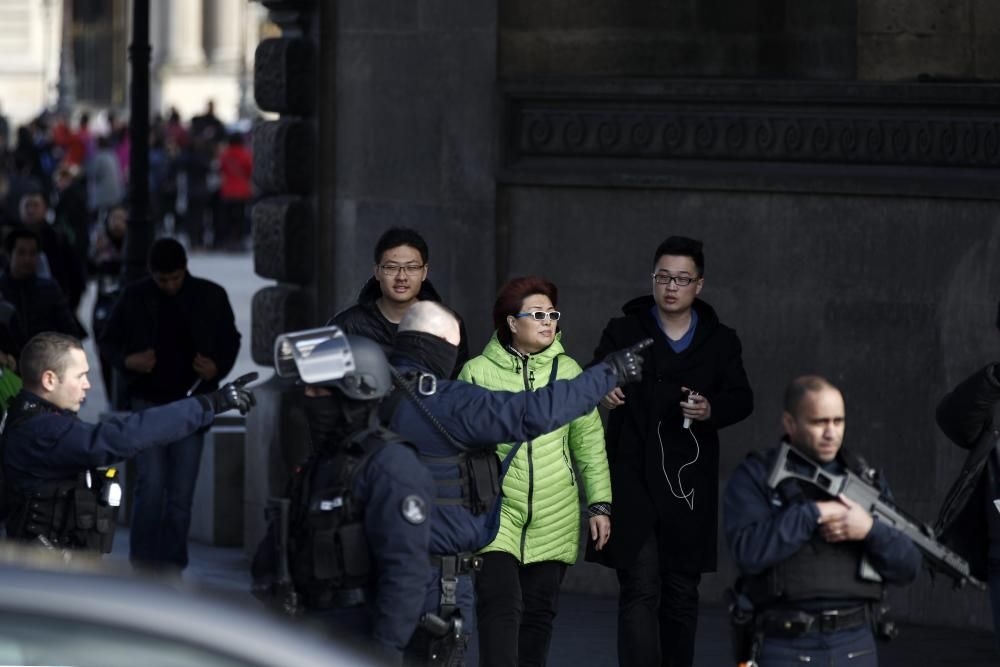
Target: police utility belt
[69,514]
[790,623]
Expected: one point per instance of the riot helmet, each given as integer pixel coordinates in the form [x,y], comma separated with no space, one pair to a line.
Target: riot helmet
[327,357]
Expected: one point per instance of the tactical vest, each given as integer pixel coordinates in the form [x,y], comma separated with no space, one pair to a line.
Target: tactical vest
[480,471]
[69,514]
[819,570]
[328,555]
[78,513]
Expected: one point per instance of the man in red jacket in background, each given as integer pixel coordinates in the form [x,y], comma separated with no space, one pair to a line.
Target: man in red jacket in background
[235,190]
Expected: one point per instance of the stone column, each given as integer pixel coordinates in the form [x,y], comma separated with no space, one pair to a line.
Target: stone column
[184,45]
[227,23]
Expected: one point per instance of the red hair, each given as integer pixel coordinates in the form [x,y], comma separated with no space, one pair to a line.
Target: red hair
[512,295]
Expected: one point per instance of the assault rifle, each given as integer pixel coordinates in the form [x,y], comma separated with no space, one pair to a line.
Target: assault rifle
[274,586]
[793,464]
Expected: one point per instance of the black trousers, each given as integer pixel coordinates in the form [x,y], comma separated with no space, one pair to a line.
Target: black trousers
[515,607]
[657,612]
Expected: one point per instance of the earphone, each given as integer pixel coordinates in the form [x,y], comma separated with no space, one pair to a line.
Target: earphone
[689,496]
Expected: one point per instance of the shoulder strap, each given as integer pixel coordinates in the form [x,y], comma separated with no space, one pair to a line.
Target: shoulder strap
[555,368]
[404,383]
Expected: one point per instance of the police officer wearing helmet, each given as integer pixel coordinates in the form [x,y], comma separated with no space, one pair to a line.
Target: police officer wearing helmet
[455,427]
[814,568]
[56,495]
[359,518]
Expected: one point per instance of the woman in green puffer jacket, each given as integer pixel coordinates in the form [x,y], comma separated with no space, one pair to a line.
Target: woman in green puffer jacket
[518,588]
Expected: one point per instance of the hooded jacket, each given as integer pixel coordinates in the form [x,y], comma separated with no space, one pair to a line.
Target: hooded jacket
[365,319]
[659,473]
[540,511]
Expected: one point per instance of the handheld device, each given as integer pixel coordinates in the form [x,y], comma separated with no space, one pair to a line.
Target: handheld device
[690,401]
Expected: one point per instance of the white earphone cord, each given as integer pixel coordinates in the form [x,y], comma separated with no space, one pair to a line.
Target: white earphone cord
[689,496]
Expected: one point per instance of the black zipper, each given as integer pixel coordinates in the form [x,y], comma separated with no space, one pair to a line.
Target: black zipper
[531,469]
[569,466]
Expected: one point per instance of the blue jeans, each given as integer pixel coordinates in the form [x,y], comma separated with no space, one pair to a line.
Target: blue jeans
[161,506]
[847,648]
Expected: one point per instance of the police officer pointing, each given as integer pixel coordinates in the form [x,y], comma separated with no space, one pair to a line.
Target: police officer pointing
[455,427]
[55,493]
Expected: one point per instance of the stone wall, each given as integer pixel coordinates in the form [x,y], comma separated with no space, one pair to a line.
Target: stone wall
[892,299]
[942,39]
[848,229]
[678,38]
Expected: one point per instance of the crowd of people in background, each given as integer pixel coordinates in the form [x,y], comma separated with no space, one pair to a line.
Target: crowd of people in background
[64,209]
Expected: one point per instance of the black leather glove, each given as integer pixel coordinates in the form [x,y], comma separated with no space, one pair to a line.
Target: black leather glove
[232,396]
[627,363]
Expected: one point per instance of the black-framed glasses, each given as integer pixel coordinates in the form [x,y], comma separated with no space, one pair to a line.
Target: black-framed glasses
[666,278]
[394,269]
[540,315]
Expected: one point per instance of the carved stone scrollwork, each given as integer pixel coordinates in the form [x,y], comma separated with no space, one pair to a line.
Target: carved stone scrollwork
[817,123]
[275,310]
[282,229]
[283,75]
[283,156]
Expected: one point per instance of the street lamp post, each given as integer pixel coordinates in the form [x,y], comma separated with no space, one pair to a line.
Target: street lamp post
[140,233]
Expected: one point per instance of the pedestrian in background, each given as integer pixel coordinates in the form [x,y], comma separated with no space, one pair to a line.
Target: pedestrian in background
[172,335]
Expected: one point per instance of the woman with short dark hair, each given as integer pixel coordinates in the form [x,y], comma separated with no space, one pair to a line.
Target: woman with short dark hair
[517,590]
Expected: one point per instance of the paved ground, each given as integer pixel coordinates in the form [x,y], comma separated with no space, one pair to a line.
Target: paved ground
[585,628]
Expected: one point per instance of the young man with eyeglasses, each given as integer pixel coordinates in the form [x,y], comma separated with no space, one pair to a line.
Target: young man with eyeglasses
[400,280]
[663,450]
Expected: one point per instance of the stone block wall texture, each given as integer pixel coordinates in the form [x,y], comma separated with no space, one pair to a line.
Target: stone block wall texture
[285,173]
[678,38]
[893,299]
[409,139]
[941,39]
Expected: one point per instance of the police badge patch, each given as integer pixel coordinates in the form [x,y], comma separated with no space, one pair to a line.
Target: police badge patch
[414,509]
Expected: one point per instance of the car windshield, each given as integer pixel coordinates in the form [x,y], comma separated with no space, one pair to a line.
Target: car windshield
[27,639]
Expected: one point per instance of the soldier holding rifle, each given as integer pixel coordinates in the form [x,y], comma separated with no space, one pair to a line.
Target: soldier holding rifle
[814,566]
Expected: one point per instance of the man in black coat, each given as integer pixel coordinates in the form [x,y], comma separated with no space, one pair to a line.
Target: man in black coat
[664,469]
[970,519]
[172,335]
[402,260]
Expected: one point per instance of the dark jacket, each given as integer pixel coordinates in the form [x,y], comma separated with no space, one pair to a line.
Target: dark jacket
[365,319]
[479,418]
[384,485]
[966,417]
[66,265]
[644,495]
[40,305]
[764,529]
[198,319]
[57,445]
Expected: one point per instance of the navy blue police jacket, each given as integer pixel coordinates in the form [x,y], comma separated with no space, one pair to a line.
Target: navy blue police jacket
[56,444]
[478,418]
[396,492]
[762,529]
